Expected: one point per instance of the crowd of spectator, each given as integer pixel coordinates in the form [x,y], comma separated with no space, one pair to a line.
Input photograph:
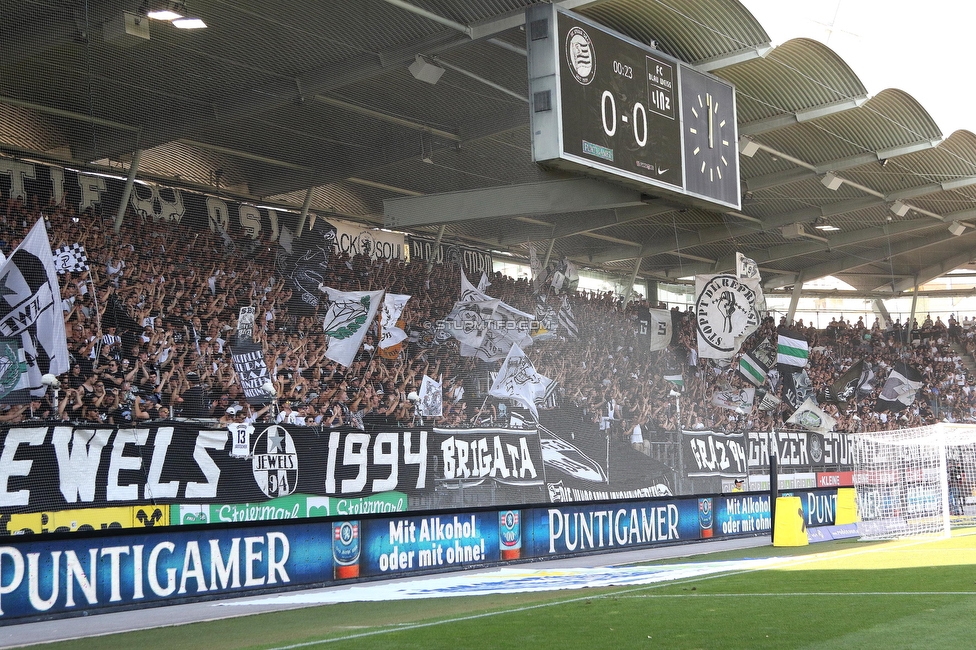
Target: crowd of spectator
[151,326]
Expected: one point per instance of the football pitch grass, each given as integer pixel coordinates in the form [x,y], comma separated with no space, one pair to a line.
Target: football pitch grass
[914,593]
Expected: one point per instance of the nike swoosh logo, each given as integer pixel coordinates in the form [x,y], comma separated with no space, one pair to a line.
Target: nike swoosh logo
[661,171]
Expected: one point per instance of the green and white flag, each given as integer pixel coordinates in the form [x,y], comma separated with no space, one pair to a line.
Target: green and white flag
[812,417]
[675,378]
[347,320]
[792,349]
[755,364]
[14,382]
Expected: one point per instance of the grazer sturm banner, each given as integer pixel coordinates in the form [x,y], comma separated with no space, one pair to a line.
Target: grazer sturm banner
[712,453]
[802,449]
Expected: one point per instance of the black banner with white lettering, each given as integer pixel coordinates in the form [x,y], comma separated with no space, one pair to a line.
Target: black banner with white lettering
[801,450]
[712,453]
[55,468]
[252,372]
[473,261]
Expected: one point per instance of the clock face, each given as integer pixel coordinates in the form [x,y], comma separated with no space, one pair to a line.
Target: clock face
[709,130]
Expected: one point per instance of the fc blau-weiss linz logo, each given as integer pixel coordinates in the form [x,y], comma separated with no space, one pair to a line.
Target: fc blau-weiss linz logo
[580,55]
[274,462]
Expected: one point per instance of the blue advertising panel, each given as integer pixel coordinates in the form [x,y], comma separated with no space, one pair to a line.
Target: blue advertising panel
[394,546]
[582,528]
[741,514]
[819,506]
[72,575]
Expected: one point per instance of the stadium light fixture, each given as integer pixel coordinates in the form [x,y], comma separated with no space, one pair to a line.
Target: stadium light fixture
[899,208]
[165,10]
[832,181]
[424,70]
[748,147]
[174,12]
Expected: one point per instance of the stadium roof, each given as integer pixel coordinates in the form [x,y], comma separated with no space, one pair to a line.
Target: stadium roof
[304,99]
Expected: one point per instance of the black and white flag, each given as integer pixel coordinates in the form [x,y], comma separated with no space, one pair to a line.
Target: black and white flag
[567,321]
[518,380]
[655,326]
[900,388]
[725,313]
[71,259]
[30,310]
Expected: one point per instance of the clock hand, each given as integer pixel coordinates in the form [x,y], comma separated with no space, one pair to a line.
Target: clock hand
[708,102]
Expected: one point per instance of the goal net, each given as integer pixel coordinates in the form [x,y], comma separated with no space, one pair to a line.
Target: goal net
[916,481]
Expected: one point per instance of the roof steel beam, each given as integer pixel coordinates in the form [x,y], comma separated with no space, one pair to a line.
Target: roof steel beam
[803,115]
[810,170]
[936,270]
[851,262]
[732,58]
[573,195]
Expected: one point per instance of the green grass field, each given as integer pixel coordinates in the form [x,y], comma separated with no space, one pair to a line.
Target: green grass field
[901,594]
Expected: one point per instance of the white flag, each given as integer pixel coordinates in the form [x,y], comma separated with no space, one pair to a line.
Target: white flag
[725,311]
[30,311]
[812,417]
[469,321]
[747,269]
[483,283]
[471,292]
[518,380]
[393,304]
[739,400]
[349,317]
[506,326]
[431,398]
[659,329]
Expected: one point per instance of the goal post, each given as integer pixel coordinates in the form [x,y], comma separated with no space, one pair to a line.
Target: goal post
[917,481]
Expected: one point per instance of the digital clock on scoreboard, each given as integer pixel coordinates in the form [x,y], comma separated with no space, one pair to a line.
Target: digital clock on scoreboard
[603,103]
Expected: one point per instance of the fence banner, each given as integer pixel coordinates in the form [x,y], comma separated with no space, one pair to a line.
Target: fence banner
[291,472]
[472,260]
[802,450]
[712,453]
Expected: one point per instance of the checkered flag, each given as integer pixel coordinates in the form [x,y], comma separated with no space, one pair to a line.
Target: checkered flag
[70,259]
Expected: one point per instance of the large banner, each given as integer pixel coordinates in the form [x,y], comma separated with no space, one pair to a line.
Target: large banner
[152,204]
[472,260]
[355,239]
[711,453]
[291,472]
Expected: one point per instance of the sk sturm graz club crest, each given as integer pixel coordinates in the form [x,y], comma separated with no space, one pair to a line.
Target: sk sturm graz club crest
[580,55]
[815,446]
[274,462]
[726,314]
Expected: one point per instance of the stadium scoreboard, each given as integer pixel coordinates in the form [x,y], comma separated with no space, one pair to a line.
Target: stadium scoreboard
[604,104]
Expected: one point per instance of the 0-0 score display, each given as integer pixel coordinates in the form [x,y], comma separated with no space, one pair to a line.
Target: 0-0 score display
[619,106]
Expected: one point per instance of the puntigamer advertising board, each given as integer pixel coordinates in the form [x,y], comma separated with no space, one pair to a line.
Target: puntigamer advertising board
[67,574]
